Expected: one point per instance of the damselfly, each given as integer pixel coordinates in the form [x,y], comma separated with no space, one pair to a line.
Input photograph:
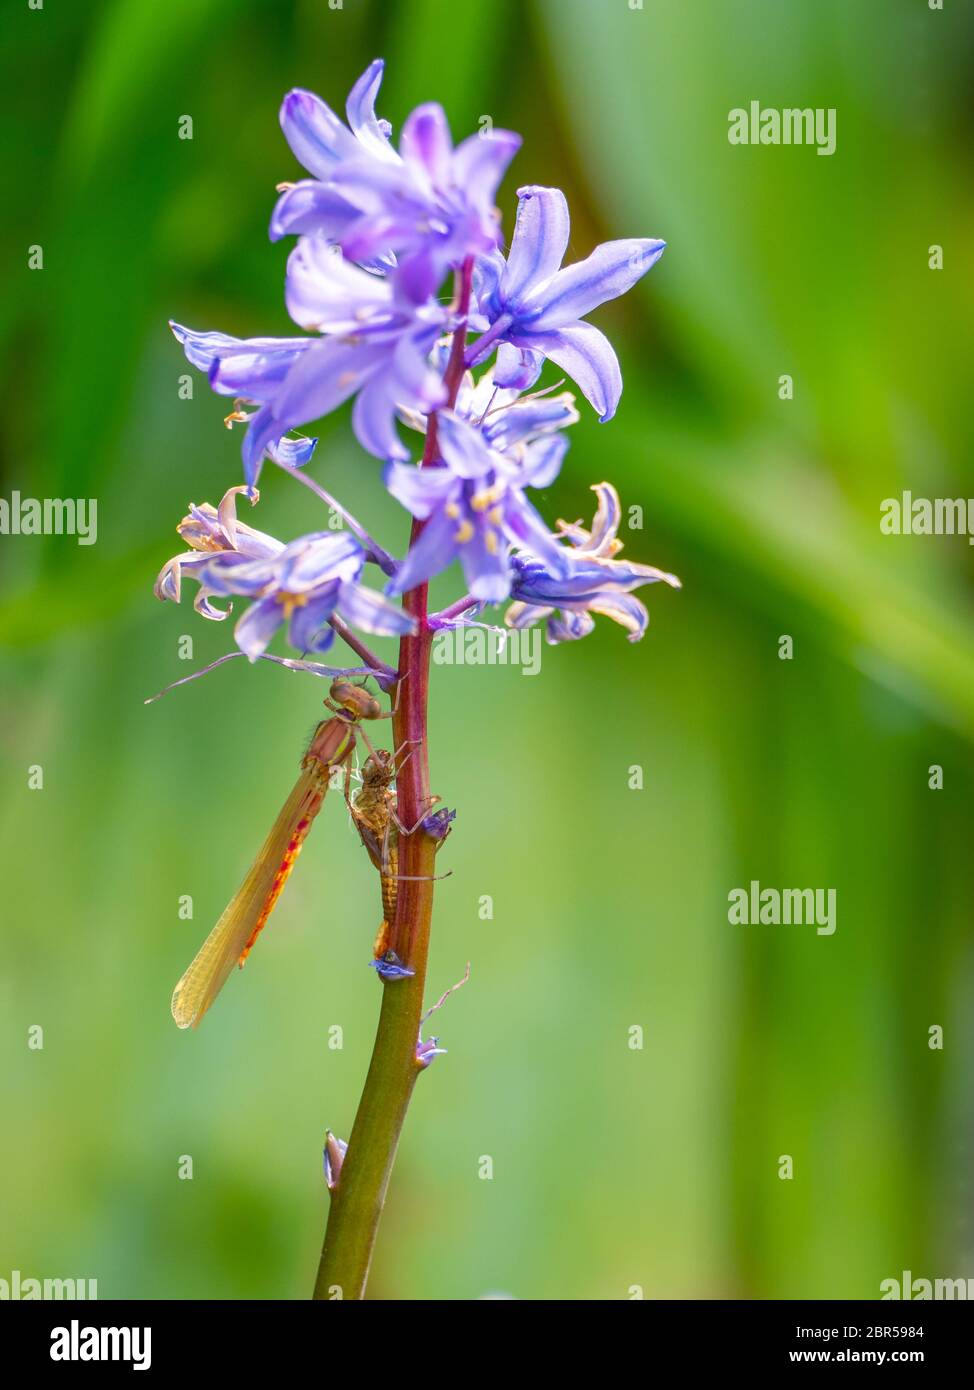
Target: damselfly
[230,941]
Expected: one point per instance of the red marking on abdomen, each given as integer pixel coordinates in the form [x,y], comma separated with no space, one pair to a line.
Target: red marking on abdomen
[280,878]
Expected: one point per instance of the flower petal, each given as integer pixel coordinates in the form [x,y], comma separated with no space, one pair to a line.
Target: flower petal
[380,189]
[368,238]
[419,275]
[168,583]
[528,419]
[426,141]
[608,516]
[263,433]
[487,272]
[308,629]
[480,162]
[525,527]
[292,453]
[420,490]
[230,573]
[257,626]
[327,374]
[539,242]
[433,551]
[364,608]
[589,359]
[311,207]
[205,608]
[370,132]
[318,139]
[518,367]
[314,559]
[259,363]
[485,569]
[525,614]
[623,609]
[569,627]
[374,420]
[417,384]
[254,376]
[326,293]
[611,270]
[464,448]
[543,461]
[243,538]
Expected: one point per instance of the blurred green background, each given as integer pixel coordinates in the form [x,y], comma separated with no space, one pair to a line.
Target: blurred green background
[613,1167]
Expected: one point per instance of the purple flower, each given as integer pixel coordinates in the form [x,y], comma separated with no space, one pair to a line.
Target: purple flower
[377,346]
[506,419]
[427,206]
[308,582]
[438,824]
[427,1051]
[210,531]
[302,584]
[320,142]
[536,308]
[594,582]
[475,508]
[390,967]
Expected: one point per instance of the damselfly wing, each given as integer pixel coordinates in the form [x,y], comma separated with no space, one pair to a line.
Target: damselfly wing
[230,941]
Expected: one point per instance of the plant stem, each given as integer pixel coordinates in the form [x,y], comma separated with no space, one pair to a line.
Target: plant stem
[358,1198]
[384,674]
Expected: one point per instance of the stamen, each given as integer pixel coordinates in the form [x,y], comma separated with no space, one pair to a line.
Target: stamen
[487,496]
[464,533]
[291,601]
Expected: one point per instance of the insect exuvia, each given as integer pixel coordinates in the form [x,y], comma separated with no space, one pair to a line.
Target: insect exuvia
[374,811]
[230,941]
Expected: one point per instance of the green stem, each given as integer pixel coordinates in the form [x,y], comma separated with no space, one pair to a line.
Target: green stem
[358,1198]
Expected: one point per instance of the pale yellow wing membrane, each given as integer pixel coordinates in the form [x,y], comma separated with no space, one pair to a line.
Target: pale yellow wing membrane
[248,910]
